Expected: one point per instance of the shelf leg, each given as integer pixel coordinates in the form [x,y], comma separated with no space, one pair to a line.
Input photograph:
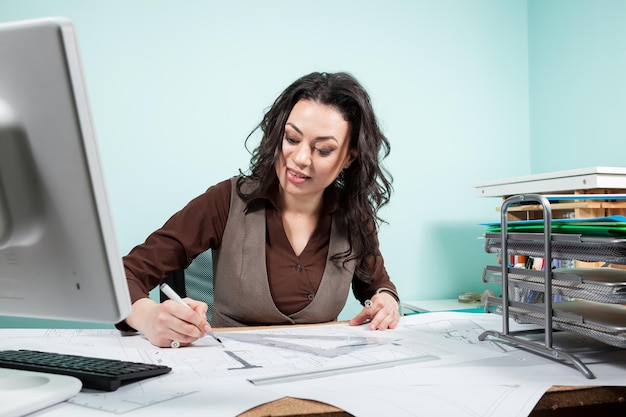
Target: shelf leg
[548,352]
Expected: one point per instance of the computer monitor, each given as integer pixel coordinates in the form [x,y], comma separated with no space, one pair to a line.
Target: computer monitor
[58,251]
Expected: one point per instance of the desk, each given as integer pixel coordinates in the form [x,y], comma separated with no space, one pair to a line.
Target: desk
[427,306]
[394,391]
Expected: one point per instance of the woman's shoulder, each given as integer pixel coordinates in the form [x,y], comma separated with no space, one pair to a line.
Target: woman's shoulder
[216,196]
[222,186]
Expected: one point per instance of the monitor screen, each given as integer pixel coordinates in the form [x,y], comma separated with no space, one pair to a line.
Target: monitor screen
[58,251]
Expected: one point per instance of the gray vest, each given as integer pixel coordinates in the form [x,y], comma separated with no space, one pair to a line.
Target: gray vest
[242,293]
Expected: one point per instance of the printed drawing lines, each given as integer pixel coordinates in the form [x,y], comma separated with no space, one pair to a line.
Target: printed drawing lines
[245,364]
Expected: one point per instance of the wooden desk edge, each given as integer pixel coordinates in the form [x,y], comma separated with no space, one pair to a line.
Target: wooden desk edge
[576,396]
[288,406]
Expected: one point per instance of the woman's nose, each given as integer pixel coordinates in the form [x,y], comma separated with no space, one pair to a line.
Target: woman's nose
[302,155]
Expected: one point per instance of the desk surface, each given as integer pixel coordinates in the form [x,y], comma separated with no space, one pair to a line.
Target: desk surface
[383,388]
[426,306]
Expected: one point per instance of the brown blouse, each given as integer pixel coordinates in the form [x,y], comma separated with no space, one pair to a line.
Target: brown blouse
[200,225]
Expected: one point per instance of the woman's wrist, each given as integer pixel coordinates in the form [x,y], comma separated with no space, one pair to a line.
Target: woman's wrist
[138,311]
[390,291]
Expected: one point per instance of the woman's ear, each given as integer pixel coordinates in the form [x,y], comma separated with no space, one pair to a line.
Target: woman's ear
[350,158]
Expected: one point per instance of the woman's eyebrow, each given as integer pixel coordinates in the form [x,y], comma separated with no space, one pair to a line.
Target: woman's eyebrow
[294,127]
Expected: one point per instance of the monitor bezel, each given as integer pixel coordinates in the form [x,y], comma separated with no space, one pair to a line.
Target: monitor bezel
[60,260]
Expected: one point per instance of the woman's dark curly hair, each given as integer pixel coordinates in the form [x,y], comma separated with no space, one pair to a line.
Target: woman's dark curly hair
[363,187]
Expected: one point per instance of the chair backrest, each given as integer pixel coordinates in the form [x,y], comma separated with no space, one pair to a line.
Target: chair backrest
[195,281]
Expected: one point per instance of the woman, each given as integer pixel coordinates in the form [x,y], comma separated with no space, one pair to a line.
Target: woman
[289,238]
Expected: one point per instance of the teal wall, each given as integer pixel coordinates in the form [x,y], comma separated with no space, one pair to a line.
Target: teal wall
[577,83]
[175,87]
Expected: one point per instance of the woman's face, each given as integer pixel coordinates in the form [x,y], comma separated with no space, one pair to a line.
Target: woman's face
[315,149]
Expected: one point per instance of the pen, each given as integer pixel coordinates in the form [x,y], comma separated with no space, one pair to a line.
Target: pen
[167,290]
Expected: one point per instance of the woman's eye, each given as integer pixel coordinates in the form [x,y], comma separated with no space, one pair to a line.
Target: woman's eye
[291,140]
[324,151]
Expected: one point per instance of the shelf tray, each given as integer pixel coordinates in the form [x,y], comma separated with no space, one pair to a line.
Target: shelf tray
[603,322]
[604,285]
[564,246]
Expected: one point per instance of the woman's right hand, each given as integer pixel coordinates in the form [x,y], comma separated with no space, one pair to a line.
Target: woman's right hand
[169,321]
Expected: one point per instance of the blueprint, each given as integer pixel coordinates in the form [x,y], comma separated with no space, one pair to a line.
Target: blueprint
[434,360]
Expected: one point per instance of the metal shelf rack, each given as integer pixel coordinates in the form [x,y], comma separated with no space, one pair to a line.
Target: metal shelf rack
[566,246]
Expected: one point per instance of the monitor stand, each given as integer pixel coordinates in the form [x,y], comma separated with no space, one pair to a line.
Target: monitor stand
[24,392]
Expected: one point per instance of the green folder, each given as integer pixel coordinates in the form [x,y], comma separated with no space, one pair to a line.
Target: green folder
[596,226]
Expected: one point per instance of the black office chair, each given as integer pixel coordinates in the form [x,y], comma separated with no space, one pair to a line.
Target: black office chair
[195,281]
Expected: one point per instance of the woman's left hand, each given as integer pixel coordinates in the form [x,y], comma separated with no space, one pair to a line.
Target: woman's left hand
[382,314]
